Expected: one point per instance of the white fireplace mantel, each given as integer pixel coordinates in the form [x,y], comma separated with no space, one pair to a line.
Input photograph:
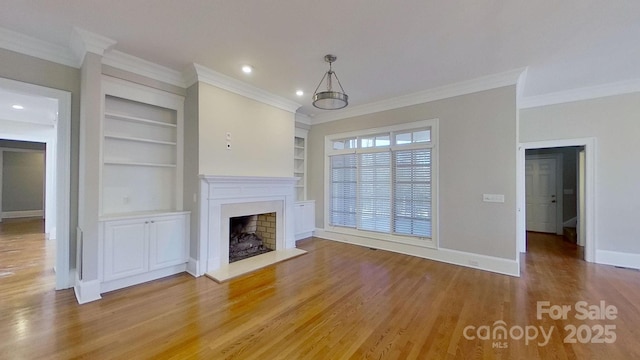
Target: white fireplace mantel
[224,196]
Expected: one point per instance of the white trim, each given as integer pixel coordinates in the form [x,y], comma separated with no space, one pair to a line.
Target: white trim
[584,93]
[83,42]
[63,171]
[460,258]
[31,46]
[22,214]
[193,266]
[617,258]
[214,78]
[150,275]
[303,119]
[461,88]
[304,235]
[87,291]
[136,65]
[590,181]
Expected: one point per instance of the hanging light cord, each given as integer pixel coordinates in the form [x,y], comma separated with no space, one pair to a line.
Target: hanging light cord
[330,72]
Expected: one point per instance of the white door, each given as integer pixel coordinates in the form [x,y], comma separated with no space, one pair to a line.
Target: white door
[540,182]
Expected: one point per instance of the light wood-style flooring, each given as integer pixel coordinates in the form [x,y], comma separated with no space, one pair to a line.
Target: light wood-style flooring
[338,301]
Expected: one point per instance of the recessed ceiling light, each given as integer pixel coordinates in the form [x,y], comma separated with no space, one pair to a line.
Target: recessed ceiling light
[299,92]
[18,107]
[247,69]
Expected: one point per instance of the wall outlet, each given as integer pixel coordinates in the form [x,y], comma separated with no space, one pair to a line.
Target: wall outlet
[228,135]
[228,145]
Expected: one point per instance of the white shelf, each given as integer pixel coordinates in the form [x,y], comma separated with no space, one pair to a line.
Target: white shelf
[129,163]
[137,119]
[299,163]
[136,139]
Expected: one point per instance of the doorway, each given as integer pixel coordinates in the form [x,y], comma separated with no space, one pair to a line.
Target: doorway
[33,125]
[581,196]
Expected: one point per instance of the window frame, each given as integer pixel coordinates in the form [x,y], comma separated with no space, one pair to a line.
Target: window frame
[415,126]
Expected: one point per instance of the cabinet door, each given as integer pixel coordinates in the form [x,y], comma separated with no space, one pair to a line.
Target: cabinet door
[304,217]
[308,217]
[298,218]
[168,241]
[126,249]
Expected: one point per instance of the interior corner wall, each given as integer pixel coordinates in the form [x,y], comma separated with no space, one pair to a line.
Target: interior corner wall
[261,136]
[477,155]
[190,171]
[615,124]
[36,71]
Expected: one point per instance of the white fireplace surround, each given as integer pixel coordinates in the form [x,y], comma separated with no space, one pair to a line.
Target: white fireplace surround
[223,197]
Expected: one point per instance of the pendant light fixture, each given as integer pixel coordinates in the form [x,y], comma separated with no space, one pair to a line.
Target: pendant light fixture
[330,99]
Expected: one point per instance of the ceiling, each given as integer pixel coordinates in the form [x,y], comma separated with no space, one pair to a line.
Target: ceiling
[385,49]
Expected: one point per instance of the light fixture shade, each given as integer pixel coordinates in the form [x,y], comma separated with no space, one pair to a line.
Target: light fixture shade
[330,99]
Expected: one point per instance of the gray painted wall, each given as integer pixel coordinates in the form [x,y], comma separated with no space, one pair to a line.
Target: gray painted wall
[22,181]
[477,155]
[615,124]
[36,71]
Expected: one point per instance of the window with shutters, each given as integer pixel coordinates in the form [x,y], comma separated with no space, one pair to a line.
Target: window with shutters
[382,182]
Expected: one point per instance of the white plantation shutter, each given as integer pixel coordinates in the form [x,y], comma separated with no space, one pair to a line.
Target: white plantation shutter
[342,207]
[412,192]
[374,191]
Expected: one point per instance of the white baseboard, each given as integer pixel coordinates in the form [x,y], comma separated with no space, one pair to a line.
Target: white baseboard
[87,291]
[615,258]
[303,235]
[455,257]
[192,267]
[111,285]
[22,214]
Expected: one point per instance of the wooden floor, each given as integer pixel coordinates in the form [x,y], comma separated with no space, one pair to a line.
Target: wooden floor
[336,302]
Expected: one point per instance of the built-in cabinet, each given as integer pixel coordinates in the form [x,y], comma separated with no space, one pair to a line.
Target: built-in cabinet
[143,248]
[304,209]
[144,233]
[304,216]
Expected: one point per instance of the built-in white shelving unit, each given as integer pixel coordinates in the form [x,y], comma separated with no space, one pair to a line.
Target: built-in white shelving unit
[304,215]
[144,232]
[300,163]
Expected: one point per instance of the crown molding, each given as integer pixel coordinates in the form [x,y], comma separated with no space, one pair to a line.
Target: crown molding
[461,88]
[303,119]
[136,65]
[584,93]
[83,42]
[228,83]
[37,48]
